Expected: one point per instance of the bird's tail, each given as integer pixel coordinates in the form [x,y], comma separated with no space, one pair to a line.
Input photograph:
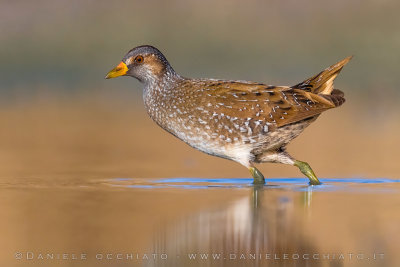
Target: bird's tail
[322,83]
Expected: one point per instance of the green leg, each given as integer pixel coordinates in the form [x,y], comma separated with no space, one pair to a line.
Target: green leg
[257,175]
[307,171]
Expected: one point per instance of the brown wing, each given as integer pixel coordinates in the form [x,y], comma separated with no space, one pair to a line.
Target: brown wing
[277,105]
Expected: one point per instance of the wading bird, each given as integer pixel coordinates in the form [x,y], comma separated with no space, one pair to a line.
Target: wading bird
[243,121]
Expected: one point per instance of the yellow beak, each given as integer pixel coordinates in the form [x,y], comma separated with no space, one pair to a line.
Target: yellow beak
[119,70]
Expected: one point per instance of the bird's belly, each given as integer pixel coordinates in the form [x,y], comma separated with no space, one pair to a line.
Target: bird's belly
[226,137]
[237,146]
[207,141]
[236,151]
[203,141]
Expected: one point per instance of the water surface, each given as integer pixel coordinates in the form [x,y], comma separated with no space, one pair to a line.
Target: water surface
[78,221]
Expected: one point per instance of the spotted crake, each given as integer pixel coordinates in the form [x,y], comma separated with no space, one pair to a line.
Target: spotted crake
[242,121]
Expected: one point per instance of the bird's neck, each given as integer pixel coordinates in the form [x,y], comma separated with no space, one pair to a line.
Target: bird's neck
[158,91]
[161,83]
[160,77]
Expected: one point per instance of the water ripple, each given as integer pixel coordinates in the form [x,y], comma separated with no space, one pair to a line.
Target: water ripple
[296,184]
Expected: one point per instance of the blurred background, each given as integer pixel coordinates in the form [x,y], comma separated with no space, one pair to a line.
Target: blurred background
[60,115]
[66,130]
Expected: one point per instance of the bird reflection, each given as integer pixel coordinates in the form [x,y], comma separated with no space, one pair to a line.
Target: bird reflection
[258,230]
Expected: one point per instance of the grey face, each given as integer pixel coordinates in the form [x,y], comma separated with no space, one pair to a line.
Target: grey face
[146,63]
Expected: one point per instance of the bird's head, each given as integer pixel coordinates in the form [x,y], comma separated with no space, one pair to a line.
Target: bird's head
[146,63]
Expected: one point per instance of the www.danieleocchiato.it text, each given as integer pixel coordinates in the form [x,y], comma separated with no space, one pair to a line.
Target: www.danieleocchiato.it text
[43,256]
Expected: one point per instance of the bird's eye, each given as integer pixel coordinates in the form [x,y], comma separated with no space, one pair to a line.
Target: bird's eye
[139,59]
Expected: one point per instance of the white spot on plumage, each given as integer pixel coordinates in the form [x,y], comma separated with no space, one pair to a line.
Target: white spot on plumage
[252,140]
[201,121]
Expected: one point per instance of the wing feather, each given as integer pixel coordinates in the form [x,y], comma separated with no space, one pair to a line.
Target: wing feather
[276,105]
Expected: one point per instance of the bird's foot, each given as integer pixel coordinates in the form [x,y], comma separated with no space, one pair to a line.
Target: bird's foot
[257,176]
[307,171]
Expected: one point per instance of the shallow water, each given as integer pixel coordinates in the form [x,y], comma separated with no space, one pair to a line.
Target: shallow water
[89,221]
[296,184]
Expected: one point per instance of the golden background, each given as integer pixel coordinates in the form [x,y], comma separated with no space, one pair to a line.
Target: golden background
[65,130]
[60,115]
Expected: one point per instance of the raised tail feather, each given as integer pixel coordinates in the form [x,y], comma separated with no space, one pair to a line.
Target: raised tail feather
[322,83]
